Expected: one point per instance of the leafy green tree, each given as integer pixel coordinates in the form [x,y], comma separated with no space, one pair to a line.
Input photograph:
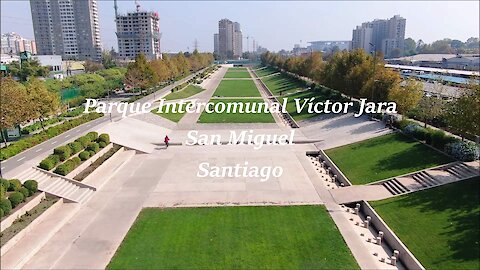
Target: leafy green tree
[140,73]
[463,114]
[29,68]
[14,102]
[43,103]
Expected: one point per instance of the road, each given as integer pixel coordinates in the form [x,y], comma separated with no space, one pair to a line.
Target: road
[15,165]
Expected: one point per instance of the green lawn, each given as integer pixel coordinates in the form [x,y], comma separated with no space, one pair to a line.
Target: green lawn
[175,117]
[440,226]
[237,88]
[236,117]
[288,237]
[237,74]
[189,91]
[265,72]
[284,84]
[384,157]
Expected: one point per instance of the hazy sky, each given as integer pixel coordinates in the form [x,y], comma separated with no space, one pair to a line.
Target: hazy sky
[274,25]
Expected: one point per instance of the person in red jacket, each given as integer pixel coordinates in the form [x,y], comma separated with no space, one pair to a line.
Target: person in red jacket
[166,140]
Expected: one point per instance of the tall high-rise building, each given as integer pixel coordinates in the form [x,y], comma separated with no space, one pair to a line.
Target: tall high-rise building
[138,32]
[67,27]
[230,39]
[13,43]
[215,43]
[386,36]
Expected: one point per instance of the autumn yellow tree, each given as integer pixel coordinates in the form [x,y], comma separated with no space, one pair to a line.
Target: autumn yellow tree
[406,96]
[43,103]
[14,104]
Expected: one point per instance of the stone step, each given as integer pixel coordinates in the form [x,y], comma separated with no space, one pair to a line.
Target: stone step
[399,185]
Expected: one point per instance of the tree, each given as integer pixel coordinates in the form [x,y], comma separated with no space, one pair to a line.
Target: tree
[140,73]
[407,96]
[410,47]
[28,68]
[15,104]
[43,103]
[430,106]
[108,58]
[91,67]
[463,114]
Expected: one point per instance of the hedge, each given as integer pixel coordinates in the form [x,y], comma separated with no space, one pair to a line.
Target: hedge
[75,147]
[3,192]
[64,152]
[102,144]
[24,191]
[1,213]
[25,143]
[84,155]
[84,140]
[16,198]
[31,185]
[15,184]
[92,135]
[68,166]
[93,147]
[4,183]
[104,138]
[49,162]
[6,206]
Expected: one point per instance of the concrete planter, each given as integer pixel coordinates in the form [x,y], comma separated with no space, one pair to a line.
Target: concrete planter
[405,256]
[52,209]
[98,172]
[7,222]
[334,169]
[89,161]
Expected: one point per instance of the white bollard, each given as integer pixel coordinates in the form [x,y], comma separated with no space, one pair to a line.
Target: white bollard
[379,240]
[393,260]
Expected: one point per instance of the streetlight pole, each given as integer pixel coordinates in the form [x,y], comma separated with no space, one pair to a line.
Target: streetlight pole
[374,70]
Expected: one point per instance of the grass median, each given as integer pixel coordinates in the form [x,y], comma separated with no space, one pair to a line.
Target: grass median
[289,237]
[187,92]
[236,117]
[237,88]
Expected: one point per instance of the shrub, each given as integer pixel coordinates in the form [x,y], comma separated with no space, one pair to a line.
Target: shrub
[84,141]
[15,184]
[104,138]
[92,135]
[416,131]
[1,213]
[76,161]
[92,153]
[31,185]
[437,139]
[16,198]
[4,183]
[6,206]
[84,155]
[24,191]
[102,144]
[50,162]
[2,192]
[93,147]
[75,147]
[464,151]
[63,152]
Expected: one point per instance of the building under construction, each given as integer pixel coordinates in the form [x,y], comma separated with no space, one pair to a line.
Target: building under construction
[138,32]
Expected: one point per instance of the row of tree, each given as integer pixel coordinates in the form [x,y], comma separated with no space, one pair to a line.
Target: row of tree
[447,46]
[22,102]
[144,74]
[360,75]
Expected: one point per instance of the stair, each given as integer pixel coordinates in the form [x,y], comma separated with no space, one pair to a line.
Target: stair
[58,186]
[425,179]
[395,187]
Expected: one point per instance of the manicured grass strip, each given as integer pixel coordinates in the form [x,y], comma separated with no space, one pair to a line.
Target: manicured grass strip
[237,74]
[236,117]
[237,88]
[23,144]
[189,91]
[289,237]
[175,117]
[384,157]
[440,226]
[265,72]
[283,84]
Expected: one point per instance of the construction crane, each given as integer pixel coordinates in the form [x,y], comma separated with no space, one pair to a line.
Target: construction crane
[137,6]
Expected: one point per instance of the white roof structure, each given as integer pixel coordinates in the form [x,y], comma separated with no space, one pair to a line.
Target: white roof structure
[436,70]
